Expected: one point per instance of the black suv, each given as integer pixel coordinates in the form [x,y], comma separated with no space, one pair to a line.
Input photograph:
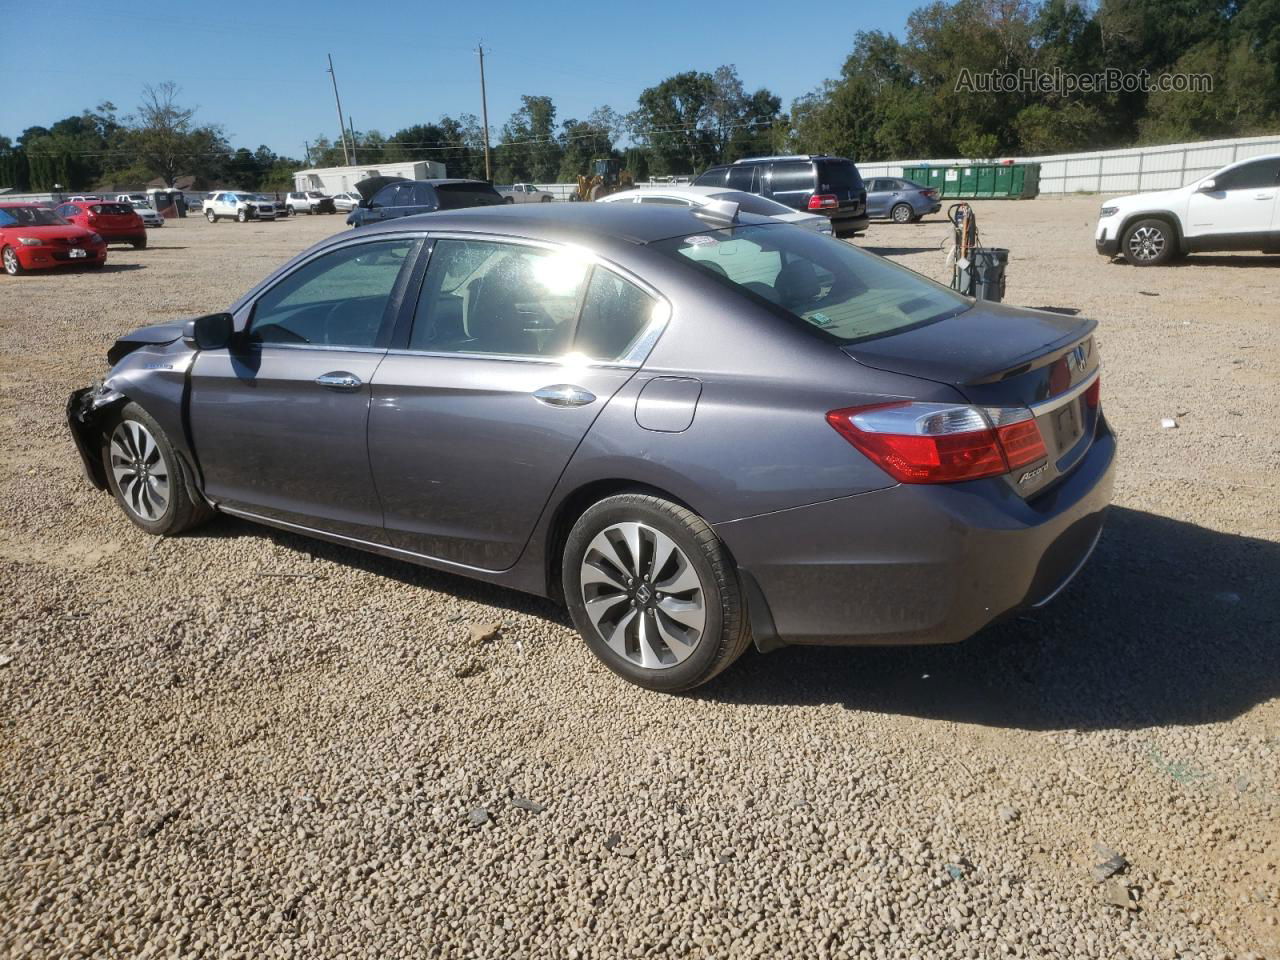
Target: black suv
[385,198]
[826,185]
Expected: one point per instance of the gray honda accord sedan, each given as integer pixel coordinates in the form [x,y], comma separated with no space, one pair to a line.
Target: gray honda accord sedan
[700,429]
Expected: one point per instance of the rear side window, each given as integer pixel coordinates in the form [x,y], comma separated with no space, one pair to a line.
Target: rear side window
[711,177]
[111,208]
[792,176]
[838,176]
[614,314]
[339,299]
[743,177]
[485,297]
[454,196]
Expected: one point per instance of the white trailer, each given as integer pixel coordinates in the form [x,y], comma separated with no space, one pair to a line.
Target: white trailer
[331,180]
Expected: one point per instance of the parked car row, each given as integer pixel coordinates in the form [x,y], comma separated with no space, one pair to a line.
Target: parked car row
[34,237]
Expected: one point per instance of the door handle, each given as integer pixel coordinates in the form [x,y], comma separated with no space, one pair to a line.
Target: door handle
[338,380]
[564,395]
[1264,196]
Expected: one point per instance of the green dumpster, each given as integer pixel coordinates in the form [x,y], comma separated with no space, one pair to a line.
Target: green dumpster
[980,181]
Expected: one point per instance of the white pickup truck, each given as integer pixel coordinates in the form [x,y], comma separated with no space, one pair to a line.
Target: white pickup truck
[525,193]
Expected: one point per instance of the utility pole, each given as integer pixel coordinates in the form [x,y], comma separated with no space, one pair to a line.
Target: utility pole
[336,99]
[484,111]
[354,158]
[306,145]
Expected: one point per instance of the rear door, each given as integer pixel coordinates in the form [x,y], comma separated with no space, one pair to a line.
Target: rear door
[279,419]
[514,350]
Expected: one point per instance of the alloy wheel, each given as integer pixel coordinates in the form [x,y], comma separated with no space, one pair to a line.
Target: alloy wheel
[643,596]
[140,471]
[11,264]
[901,213]
[1146,243]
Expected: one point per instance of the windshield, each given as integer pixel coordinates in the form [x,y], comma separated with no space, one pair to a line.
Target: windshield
[30,217]
[829,285]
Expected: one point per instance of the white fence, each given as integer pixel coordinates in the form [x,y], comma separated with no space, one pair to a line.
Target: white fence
[1131,170]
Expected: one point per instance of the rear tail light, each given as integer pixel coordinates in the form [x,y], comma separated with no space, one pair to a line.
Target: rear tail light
[1093,396]
[823,201]
[940,442]
[931,194]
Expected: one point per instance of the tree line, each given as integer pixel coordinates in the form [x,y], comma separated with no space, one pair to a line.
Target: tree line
[894,98]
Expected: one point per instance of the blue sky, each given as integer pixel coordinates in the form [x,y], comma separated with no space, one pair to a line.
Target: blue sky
[259,68]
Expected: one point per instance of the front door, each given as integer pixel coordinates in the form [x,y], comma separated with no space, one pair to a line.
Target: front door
[514,351]
[1240,208]
[279,419]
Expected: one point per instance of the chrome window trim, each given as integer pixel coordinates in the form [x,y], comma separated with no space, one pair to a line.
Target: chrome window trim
[1062,399]
[634,358]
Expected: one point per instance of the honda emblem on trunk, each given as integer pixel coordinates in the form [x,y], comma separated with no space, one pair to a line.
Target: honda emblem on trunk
[1076,358]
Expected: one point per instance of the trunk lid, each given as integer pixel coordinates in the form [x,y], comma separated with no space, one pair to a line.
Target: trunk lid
[1001,356]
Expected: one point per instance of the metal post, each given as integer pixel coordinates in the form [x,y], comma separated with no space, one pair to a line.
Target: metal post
[346,157]
[484,111]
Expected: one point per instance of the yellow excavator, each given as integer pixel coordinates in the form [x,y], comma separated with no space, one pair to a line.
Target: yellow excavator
[606,177]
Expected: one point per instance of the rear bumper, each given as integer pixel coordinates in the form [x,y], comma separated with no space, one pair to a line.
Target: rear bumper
[123,236]
[919,564]
[844,226]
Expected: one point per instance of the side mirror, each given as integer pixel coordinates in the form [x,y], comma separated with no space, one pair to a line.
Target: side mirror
[1207,186]
[210,332]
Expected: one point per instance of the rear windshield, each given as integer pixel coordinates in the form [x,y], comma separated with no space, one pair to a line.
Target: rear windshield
[830,286]
[111,208]
[454,196]
[29,217]
[838,175]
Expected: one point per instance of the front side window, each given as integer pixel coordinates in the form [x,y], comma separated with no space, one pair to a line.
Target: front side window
[483,297]
[1250,176]
[339,299]
[830,286]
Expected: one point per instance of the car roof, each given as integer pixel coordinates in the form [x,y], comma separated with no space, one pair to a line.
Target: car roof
[565,222]
[668,190]
[20,203]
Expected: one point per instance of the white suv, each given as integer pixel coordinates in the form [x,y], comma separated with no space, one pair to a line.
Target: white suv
[240,206]
[1235,208]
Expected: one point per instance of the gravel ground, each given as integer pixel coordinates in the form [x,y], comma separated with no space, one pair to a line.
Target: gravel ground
[242,743]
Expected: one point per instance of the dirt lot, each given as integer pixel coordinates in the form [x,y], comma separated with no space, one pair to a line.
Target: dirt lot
[241,743]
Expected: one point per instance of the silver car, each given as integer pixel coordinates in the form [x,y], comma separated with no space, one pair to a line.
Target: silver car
[683,195]
[699,429]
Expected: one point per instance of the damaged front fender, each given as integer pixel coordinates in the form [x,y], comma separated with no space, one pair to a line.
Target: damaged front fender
[85,408]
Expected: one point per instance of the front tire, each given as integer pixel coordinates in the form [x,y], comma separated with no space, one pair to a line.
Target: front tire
[145,475]
[1149,243]
[12,265]
[901,213]
[242,216]
[653,592]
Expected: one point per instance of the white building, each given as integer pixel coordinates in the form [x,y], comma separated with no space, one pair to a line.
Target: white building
[343,179]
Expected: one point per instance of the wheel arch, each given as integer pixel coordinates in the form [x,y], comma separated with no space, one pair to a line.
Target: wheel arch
[574,504]
[1168,216]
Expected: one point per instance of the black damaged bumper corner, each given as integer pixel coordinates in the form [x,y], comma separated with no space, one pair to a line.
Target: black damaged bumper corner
[84,407]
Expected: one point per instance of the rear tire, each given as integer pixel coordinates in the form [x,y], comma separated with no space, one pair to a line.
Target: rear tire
[901,213]
[1149,243]
[545,200]
[145,475]
[12,265]
[140,244]
[290,211]
[668,619]
[211,216]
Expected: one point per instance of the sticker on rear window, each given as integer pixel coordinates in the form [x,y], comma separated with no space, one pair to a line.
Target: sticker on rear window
[821,319]
[701,240]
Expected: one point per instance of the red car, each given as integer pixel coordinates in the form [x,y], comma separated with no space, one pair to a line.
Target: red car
[114,222]
[34,238]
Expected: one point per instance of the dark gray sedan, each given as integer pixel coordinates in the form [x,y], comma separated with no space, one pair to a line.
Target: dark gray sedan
[902,201]
[699,429]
